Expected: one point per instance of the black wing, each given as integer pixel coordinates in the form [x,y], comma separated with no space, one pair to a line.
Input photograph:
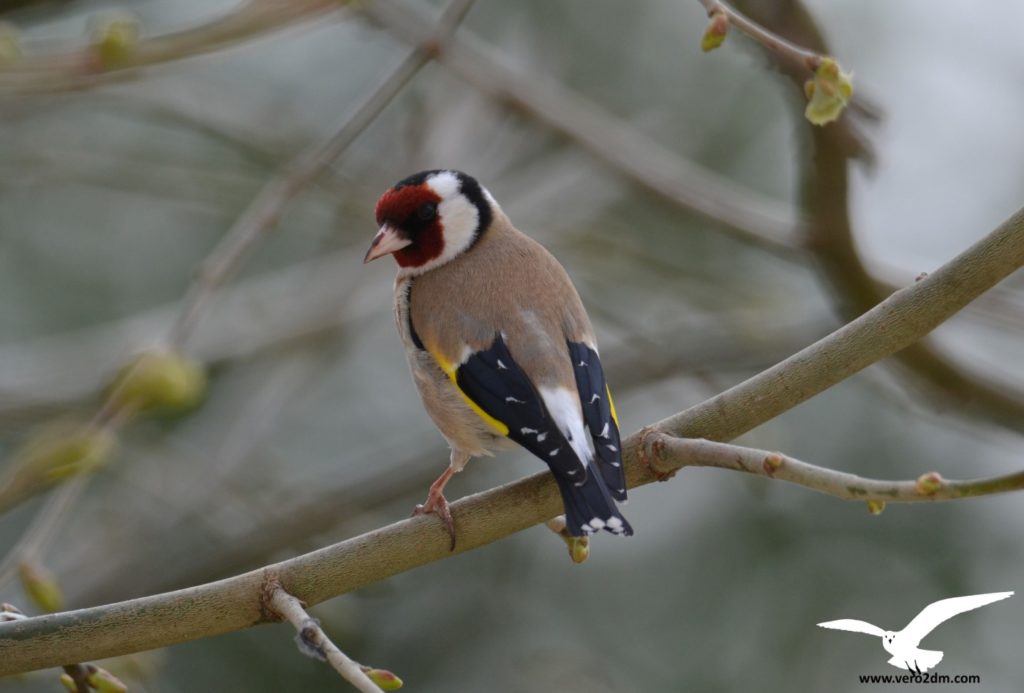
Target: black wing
[494,382]
[599,417]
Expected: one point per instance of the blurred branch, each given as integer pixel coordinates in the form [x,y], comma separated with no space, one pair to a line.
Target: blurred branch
[831,238]
[752,217]
[667,454]
[782,49]
[262,214]
[84,67]
[235,603]
[312,640]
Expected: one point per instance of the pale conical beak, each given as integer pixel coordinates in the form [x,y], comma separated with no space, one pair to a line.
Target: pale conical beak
[385,242]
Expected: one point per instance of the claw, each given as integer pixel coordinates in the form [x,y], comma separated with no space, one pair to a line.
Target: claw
[438,504]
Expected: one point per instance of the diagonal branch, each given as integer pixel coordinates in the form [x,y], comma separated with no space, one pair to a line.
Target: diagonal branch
[752,217]
[235,603]
[263,212]
[82,68]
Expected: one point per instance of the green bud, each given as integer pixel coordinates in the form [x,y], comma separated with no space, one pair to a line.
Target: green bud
[60,450]
[875,507]
[41,586]
[929,484]
[159,381]
[105,682]
[384,679]
[115,37]
[579,549]
[772,463]
[828,92]
[10,44]
[714,34]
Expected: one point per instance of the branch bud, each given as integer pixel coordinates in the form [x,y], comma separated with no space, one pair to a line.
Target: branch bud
[41,586]
[772,463]
[58,451]
[10,44]
[105,682]
[159,381]
[828,92]
[875,507]
[384,679]
[114,38]
[714,34]
[929,484]
[9,612]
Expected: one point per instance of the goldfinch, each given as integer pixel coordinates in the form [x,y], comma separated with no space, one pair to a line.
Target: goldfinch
[499,344]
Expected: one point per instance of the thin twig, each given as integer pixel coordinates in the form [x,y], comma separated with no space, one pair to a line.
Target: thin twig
[235,603]
[782,48]
[81,68]
[312,640]
[750,216]
[667,454]
[262,214]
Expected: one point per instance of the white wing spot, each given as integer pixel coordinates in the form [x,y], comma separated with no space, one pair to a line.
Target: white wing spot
[513,400]
[596,523]
[572,472]
[612,447]
[604,431]
[554,452]
[616,464]
[502,366]
[582,364]
[615,524]
[541,437]
[527,431]
[595,398]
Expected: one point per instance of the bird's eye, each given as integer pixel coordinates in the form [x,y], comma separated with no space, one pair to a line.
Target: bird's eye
[427,211]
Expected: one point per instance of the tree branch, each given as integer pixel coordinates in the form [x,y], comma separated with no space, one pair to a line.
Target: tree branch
[312,640]
[236,602]
[752,217]
[667,454]
[260,217]
[83,68]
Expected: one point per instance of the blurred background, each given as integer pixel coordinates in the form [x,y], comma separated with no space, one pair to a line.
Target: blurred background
[311,432]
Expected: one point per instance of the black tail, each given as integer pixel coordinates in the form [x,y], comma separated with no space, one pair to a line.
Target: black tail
[589,507]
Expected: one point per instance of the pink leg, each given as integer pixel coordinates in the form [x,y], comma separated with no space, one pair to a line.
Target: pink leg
[436,503]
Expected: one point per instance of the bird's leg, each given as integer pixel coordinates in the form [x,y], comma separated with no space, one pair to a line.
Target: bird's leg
[436,502]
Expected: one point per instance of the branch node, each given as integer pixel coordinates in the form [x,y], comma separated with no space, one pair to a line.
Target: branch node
[271,584]
[652,454]
[307,640]
[772,463]
[929,484]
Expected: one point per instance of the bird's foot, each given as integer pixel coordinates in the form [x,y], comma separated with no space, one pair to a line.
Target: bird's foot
[436,503]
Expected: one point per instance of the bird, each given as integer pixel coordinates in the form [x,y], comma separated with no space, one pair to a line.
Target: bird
[903,645]
[499,345]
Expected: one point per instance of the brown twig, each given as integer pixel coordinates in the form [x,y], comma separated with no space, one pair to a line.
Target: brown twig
[670,453]
[262,214]
[82,68]
[750,216]
[313,641]
[783,50]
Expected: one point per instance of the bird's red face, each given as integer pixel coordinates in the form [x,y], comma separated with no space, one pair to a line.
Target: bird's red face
[410,226]
[430,218]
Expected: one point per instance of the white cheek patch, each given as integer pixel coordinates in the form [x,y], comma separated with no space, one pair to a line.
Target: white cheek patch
[459,216]
[564,408]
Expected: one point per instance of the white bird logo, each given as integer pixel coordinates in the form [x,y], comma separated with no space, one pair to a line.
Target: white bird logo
[902,645]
